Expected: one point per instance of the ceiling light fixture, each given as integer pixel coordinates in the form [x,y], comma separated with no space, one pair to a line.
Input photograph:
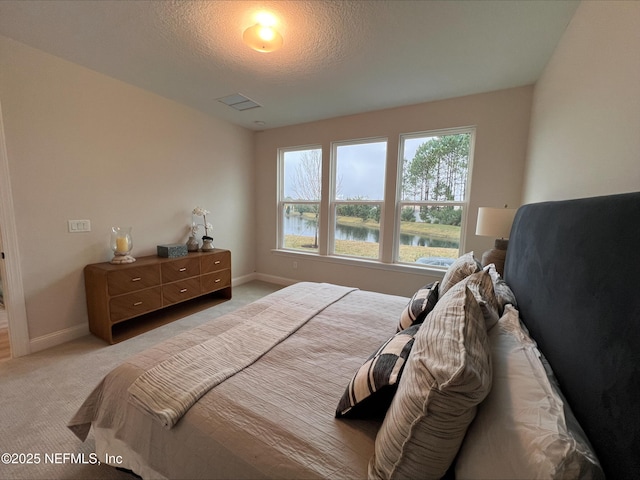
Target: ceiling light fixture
[263,36]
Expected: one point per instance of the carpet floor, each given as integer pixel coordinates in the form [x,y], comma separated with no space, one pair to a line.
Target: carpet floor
[40,392]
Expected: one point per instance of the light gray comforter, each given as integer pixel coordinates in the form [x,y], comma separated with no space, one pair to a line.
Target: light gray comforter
[272,419]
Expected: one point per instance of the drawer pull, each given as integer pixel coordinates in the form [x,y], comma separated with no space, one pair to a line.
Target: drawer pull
[183,269]
[137,279]
[137,304]
[217,280]
[216,262]
[183,290]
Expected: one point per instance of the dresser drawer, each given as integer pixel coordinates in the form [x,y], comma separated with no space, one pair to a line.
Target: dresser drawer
[178,291]
[136,303]
[180,269]
[215,262]
[215,281]
[131,279]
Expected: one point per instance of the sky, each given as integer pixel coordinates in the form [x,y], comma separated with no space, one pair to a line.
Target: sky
[360,167]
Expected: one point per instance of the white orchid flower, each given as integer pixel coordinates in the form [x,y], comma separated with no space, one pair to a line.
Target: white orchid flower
[201,212]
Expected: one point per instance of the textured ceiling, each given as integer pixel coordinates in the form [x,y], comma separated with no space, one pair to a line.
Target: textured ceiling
[338,58]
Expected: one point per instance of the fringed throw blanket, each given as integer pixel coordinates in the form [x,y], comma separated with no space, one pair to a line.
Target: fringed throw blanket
[168,390]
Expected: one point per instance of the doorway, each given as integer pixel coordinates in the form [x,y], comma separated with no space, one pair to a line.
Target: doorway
[16,335]
[5,346]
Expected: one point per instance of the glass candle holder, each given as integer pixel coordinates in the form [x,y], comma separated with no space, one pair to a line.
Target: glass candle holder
[121,244]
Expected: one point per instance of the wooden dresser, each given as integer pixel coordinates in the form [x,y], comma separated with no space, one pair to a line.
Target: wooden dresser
[120,297]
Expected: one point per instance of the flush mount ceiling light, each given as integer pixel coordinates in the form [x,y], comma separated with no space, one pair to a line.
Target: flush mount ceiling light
[263,36]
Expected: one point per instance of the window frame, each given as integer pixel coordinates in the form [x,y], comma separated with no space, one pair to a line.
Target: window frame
[283,201]
[400,204]
[390,205]
[334,203]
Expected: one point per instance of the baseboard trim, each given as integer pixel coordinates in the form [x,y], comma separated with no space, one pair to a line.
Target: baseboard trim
[56,338]
[263,278]
[274,279]
[243,279]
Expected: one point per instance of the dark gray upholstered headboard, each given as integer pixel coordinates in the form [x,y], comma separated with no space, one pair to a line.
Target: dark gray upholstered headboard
[575,269]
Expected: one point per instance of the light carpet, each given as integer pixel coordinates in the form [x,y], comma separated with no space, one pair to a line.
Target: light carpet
[39,393]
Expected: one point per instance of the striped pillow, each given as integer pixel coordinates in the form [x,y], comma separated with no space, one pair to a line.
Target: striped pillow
[448,374]
[419,306]
[372,388]
[464,266]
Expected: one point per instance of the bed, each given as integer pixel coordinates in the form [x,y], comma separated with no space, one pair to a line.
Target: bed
[304,403]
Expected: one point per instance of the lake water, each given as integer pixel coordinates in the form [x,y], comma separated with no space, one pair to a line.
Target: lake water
[297,225]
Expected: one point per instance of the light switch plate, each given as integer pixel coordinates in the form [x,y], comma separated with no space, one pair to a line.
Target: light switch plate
[77,226]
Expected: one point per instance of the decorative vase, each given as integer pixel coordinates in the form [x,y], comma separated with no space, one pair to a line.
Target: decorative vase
[192,244]
[207,244]
[121,244]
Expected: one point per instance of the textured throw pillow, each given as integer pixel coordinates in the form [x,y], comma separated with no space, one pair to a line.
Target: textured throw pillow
[419,306]
[448,374]
[523,429]
[372,388]
[504,294]
[460,269]
[482,286]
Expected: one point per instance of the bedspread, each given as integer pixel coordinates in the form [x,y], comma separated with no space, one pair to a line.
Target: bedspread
[169,389]
[273,419]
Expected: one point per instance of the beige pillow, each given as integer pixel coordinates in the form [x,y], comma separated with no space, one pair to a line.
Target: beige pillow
[448,373]
[523,430]
[464,266]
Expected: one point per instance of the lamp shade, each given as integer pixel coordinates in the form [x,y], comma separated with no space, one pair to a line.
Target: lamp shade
[495,222]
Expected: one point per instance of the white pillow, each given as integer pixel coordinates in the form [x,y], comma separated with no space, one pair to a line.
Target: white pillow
[521,430]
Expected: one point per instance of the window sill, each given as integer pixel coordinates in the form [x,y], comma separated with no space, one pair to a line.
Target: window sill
[361,263]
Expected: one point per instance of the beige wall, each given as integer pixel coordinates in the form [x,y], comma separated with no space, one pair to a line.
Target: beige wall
[82,145]
[585,126]
[502,122]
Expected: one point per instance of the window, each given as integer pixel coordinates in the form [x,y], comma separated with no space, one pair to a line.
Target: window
[432,196]
[357,198]
[300,194]
[343,214]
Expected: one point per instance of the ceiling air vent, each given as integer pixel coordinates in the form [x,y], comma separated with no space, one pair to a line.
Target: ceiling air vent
[239,102]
